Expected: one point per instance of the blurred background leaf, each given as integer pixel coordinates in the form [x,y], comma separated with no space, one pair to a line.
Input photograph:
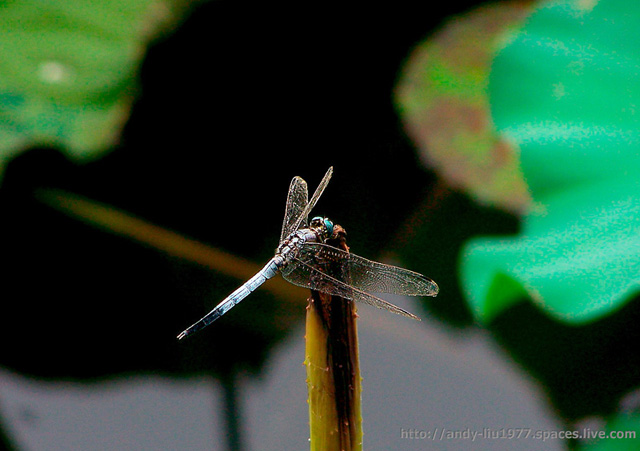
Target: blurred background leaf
[442,98]
[622,422]
[564,90]
[69,70]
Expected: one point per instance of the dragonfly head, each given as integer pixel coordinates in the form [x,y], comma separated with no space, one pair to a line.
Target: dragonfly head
[323,225]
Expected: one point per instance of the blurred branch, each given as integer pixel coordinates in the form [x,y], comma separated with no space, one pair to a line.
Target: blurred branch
[172,243]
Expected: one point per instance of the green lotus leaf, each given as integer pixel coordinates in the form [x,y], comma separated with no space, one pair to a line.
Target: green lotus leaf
[565,90]
[68,70]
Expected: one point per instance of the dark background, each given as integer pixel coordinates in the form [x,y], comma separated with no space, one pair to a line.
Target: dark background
[237,101]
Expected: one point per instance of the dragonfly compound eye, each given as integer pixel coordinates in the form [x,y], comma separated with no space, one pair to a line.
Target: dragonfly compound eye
[323,223]
[329,225]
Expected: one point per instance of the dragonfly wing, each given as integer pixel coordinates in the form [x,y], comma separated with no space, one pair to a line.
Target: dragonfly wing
[302,218]
[303,274]
[297,200]
[370,276]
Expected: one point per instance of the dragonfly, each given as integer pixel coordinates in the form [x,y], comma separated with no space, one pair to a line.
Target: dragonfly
[304,259]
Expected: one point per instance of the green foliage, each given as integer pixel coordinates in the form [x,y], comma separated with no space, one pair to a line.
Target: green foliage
[565,90]
[69,71]
[622,433]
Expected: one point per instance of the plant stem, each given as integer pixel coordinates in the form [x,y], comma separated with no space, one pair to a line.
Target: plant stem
[333,370]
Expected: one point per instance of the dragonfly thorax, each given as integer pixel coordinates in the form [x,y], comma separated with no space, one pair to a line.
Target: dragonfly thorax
[289,248]
[318,231]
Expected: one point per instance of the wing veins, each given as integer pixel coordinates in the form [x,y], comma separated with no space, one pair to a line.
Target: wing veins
[312,203]
[297,200]
[336,287]
[372,276]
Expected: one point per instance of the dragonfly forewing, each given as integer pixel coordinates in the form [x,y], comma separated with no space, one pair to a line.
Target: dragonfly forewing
[297,200]
[312,203]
